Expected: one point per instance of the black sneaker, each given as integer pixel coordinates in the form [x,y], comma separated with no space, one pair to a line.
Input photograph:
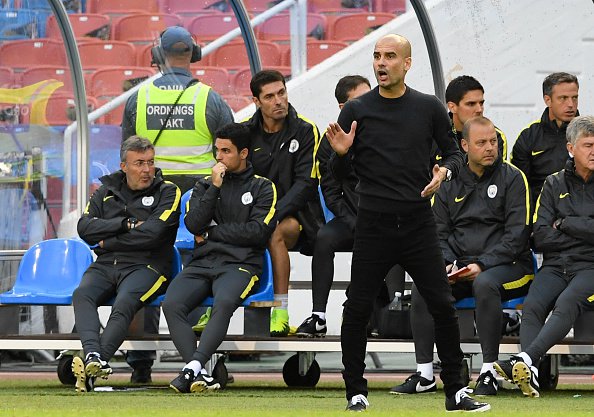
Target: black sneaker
[505,368]
[183,382]
[358,403]
[415,384]
[204,382]
[462,402]
[141,375]
[96,367]
[313,326]
[526,377]
[486,384]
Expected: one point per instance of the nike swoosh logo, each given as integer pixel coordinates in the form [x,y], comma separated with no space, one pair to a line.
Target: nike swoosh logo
[107,198]
[534,153]
[207,378]
[438,157]
[458,199]
[320,327]
[257,149]
[563,195]
[423,388]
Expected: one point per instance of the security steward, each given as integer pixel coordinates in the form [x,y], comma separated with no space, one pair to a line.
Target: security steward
[483,223]
[179,115]
[132,220]
[283,150]
[176,112]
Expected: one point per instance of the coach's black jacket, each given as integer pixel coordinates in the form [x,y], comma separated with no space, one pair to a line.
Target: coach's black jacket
[106,214]
[238,218]
[540,150]
[289,162]
[566,196]
[485,220]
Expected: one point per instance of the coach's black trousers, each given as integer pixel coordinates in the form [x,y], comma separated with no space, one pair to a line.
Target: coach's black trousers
[409,239]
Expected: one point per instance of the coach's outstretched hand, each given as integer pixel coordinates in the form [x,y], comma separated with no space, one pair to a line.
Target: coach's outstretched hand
[339,139]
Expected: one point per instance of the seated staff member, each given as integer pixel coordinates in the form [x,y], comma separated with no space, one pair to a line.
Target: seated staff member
[231,214]
[564,233]
[483,223]
[132,219]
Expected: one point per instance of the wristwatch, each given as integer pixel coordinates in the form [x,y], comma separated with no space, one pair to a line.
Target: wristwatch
[558,223]
[132,222]
[205,235]
[448,175]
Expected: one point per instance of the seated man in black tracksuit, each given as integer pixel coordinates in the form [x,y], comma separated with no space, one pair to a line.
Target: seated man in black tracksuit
[132,219]
[564,233]
[283,150]
[483,223]
[230,214]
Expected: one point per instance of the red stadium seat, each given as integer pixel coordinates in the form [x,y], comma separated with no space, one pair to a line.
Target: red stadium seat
[233,55]
[257,6]
[59,110]
[107,53]
[314,6]
[186,6]
[143,55]
[111,82]
[114,117]
[47,72]
[92,25]
[7,78]
[207,28]
[241,79]
[317,51]
[354,27]
[390,6]
[122,6]
[32,52]
[143,27]
[217,78]
[237,102]
[277,27]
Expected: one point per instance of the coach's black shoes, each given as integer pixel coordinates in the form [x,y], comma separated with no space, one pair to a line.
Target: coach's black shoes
[462,402]
[183,382]
[313,326]
[358,403]
[415,384]
[96,367]
[83,383]
[486,384]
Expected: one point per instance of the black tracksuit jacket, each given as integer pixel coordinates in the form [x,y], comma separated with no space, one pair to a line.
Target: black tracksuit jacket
[566,196]
[540,150]
[485,220]
[238,217]
[106,215]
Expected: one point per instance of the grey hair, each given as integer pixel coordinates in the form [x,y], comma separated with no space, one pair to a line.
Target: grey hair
[579,127]
[135,143]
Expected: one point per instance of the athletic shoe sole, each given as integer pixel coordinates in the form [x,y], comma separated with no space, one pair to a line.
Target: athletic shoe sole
[522,376]
[201,386]
[310,335]
[503,374]
[78,369]
[94,369]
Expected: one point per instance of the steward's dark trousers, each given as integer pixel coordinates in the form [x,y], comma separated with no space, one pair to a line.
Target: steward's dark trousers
[409,239]
[229,285]
[133,285]
[490,288]
[567,295]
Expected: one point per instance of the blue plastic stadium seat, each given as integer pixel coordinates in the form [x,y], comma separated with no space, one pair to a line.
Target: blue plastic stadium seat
[469,303]
[184,239]
[176,268]
[49,273]
[328,215]
[264,291]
